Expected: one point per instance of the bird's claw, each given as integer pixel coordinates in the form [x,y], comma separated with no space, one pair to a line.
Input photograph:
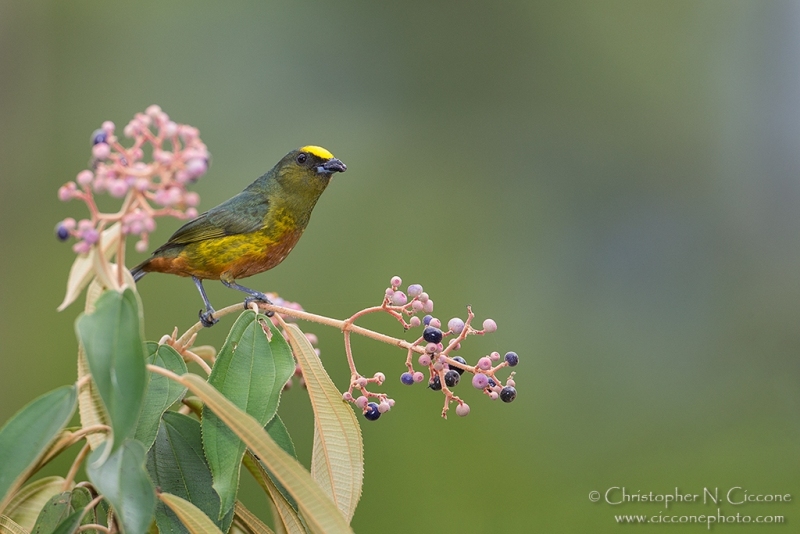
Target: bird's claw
[261,298]
[207,318]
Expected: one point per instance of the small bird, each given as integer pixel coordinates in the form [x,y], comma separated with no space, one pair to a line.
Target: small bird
[249,233]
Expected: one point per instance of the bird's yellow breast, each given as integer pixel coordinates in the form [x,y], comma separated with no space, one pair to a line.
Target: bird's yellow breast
[240,255]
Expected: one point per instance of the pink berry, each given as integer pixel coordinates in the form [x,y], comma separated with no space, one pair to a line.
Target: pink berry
[396,281]
[101,151]
[428,306]
[423,297]
[380,377]
[361,402]
[108,127]
[493,395]
[196,167]
[141,246]
[494,356]
[424,360]
[456,325]
[414,322]
[511,383]
[414,290]
[432,348]
[312,338]
[436,323]
[153,110]
[64,193]
[85,178]
[417,306]
[419,377]
[384,407]
[170,129]
[81,247]
[462,410]
[347,396]
[191,199]
[399,298]
[68,223]
[480,380]
[117,188]
[489,326]
[485,363]
[362,382]
[90,236]
[389,292]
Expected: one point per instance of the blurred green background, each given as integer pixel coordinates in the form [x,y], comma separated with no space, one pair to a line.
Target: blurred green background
[616,184]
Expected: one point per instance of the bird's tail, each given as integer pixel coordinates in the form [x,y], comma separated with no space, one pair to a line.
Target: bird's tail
[138,272]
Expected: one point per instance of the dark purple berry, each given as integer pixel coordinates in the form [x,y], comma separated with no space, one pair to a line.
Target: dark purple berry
[461,360]
[62,233]
[432,334]
[508,394]
[512,359]
[372,413]
[407,379]
[435,384]
[451,378]
[99,136]
[427,320]
[492,383]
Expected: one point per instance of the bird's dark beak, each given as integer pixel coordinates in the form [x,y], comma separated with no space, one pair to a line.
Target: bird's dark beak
[331,166]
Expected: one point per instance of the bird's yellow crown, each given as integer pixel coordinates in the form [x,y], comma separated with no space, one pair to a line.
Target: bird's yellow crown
[317,151]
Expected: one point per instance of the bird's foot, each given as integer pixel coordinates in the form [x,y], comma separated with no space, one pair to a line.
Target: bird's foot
[207,318]
[261,297]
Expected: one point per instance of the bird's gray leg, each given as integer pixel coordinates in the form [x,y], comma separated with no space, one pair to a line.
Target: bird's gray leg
[254,295]
[206,317]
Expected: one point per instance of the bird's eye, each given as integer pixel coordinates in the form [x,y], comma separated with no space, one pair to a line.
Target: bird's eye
[301,158]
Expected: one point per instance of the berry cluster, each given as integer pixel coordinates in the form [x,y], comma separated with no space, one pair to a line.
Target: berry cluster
[179,158]
[444,369]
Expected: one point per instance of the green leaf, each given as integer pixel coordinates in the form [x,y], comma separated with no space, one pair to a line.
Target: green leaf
[70,524]
[25,438]
[80,498]
[123,481]
[250,371]
[161,392]
[53,513]
[277,431]
[317,508]
[9,526]
[337,460]
[63,513]
[112,338]
[90,405]
[191,516]
[177,465]
[24,508]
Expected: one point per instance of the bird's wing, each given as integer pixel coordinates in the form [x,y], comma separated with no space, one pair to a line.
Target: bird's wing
[241,214]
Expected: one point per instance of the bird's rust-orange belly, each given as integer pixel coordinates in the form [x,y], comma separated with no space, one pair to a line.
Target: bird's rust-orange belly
[229,257]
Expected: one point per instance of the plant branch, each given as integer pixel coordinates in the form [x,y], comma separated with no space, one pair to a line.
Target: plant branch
[73,470]
[345,325]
